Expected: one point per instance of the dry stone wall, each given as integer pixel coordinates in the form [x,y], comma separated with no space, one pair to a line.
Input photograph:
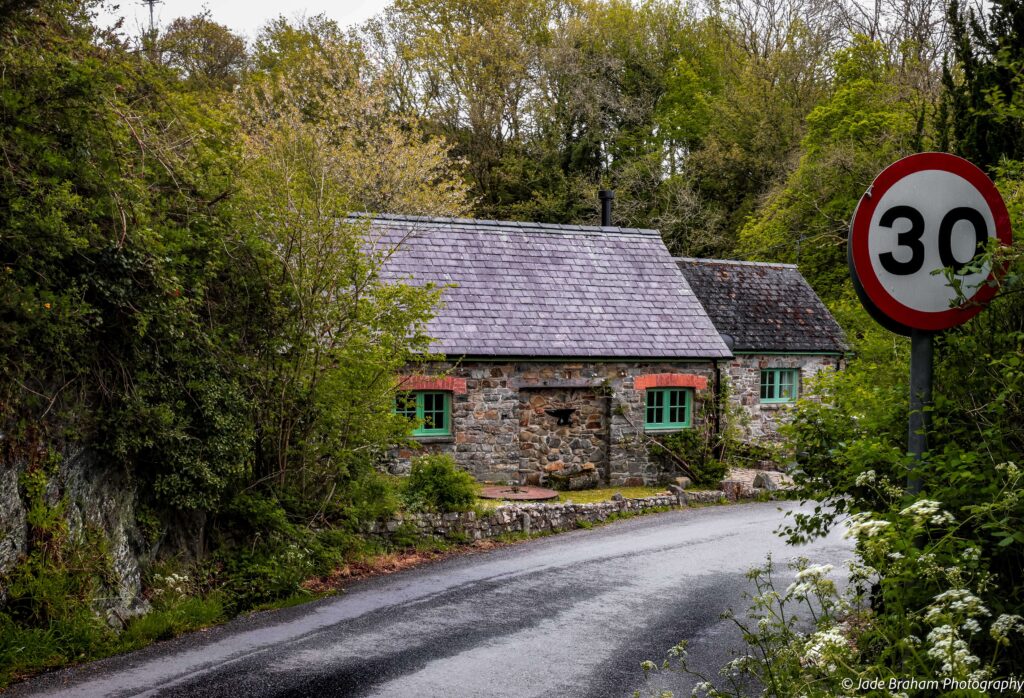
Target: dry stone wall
[536,517]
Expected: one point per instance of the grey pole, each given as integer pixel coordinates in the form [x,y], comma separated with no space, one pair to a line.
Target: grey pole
[921,362]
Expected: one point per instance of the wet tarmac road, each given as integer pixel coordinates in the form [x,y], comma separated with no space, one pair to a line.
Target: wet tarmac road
[569,615]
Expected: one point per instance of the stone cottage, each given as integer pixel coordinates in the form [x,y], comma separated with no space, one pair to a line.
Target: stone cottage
[780,333]
[568,348]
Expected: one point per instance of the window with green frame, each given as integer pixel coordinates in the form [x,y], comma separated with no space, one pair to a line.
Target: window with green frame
[779,384]
[431,409]
[668,408]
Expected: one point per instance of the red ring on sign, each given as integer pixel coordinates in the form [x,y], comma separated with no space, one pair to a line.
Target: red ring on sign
[892,308]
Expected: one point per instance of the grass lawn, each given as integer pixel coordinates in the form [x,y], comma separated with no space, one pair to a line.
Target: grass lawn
[601,494]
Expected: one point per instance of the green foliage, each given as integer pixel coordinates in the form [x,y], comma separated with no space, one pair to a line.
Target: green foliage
[944,564]
[436,484]
[178,296]
[921,604]
[171,618]
[982,83]
[276,552]
[866,123]
[695,448]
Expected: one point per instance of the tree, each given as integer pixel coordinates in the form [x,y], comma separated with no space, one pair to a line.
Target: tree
[983,83]
[867,123]
[320,142]
[207,54]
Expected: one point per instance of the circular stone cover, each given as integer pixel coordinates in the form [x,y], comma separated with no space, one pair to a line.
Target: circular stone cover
[521,492]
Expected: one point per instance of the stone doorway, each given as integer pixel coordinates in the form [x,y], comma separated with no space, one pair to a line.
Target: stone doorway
[579,443]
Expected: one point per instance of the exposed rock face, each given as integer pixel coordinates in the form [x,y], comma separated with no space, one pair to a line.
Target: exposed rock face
[13,526]
[100,497]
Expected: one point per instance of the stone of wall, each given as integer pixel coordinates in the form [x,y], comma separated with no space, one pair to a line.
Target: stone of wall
[543,440]
[500,432]
[757,421]
[531,518]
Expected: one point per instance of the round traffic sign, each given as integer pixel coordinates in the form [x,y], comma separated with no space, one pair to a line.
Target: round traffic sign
[923,214]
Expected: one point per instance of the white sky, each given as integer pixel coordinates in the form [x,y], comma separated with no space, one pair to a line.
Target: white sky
[243,16]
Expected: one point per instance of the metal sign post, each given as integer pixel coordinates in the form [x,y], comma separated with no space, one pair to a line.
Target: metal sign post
[923,214]
[921,361]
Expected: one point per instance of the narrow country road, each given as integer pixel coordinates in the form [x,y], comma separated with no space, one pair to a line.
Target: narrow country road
[569,615]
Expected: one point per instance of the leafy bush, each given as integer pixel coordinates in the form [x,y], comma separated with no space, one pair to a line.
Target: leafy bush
[435,483]
[694,449]
[172,617]
[920,605]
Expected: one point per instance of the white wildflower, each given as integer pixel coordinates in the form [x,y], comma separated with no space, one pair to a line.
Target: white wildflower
[738,666]
[952,651]
[970,625]
[860,571]
[955,602]
[1011,469]
[865,478]
[813,571]
[811,580]
[928,510]
[1004,625]
[703,688]
[971,554]
[862,526]
[825,647]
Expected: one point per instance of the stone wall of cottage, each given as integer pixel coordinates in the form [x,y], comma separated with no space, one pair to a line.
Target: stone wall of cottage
[759,421]
[501,430]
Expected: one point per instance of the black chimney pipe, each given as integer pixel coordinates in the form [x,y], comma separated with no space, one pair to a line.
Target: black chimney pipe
[606,196]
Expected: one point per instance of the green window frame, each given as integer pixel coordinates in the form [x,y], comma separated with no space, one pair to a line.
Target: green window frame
[431,409]
[668,408]
[779,385]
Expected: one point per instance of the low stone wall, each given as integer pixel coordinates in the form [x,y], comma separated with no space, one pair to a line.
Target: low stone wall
[531,518]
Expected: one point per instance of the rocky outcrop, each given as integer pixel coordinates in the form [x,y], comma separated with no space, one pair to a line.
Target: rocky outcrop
[13,526]
[99,497]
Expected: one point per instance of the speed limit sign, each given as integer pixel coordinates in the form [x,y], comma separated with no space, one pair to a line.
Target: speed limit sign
[923,214]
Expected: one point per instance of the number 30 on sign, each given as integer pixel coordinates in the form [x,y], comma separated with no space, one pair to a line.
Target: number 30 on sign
[924,213]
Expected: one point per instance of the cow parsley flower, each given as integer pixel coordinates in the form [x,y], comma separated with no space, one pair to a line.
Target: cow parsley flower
[970,625]
[1004,625]
[927,510]
[952,651]
[862,526]
[825,648]
[865,478]
[955,602]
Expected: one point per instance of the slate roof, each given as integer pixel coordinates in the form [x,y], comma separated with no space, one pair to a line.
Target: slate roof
[541,290]
[763,306]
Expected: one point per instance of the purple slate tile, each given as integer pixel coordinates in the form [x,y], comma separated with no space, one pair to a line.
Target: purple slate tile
[530,289]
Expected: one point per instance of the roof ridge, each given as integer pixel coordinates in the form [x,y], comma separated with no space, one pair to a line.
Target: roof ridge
[483,223]
[743,262]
